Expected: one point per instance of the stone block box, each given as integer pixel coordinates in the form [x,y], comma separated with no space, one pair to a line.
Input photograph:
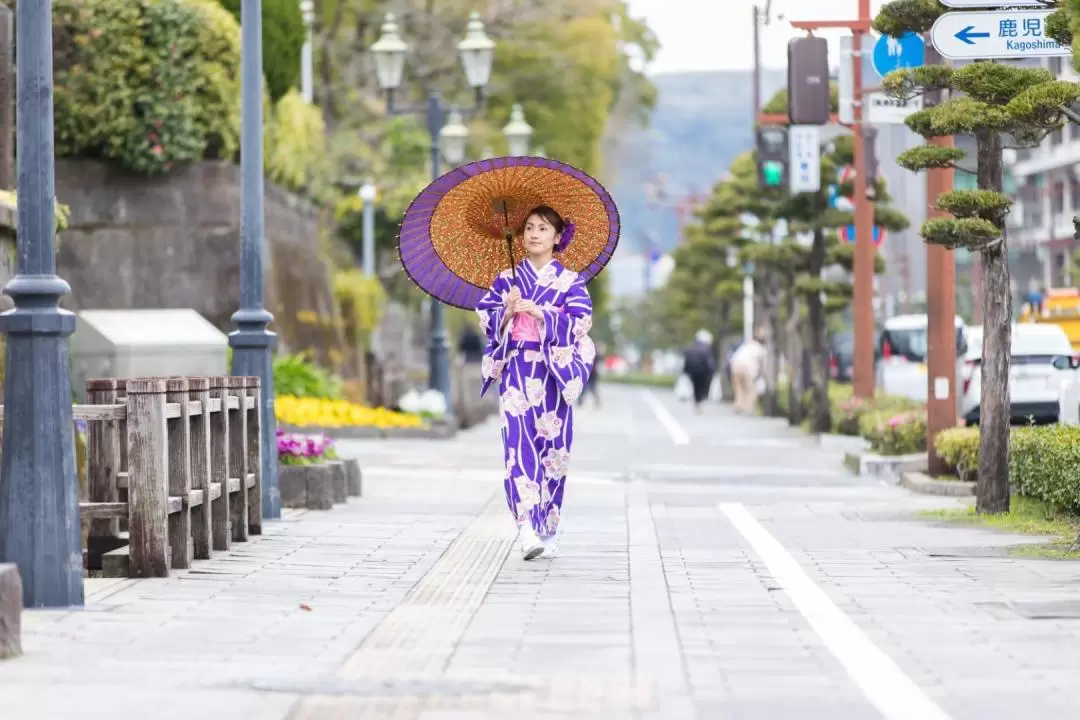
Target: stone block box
[307,486]
[11,598]
[355,479]
[341,481]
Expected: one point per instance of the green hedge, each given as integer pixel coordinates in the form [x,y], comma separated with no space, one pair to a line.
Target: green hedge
[1044,461]
[660,381]
[283,38]
[145,83]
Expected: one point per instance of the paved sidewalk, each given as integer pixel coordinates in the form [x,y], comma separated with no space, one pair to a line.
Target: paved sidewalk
[742,575]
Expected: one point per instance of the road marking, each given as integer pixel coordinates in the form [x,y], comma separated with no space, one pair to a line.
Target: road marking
[678,435]
[883,683]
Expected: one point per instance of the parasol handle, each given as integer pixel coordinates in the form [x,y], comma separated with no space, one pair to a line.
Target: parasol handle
[510,252]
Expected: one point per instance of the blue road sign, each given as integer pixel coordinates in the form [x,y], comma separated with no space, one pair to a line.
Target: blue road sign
[892,53]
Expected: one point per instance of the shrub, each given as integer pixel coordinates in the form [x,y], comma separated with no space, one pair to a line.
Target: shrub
[297,376]
[148,84]
[362,301]
[894,433]
[1044,463]
[283,38]
[959,448]
[294,143]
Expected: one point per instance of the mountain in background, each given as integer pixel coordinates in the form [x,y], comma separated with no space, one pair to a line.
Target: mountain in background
[701,122]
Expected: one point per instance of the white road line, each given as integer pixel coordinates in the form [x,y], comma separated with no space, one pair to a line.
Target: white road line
[678,435]
[883,683]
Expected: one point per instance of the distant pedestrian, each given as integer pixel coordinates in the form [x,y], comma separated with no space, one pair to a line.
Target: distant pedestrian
[592,387]
[747,368]
[699,364]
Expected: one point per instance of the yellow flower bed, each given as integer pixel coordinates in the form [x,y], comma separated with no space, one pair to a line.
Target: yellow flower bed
[317,412]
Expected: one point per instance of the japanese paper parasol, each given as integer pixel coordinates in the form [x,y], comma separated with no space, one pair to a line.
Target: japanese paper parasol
[461,231]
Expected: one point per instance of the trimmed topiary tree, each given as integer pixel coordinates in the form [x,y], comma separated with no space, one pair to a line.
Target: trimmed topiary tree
[283,42]
[1001,103]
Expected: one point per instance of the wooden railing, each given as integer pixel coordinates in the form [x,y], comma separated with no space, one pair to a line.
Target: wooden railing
[173,463]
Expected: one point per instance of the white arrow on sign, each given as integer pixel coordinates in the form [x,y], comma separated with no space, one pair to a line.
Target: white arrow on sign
[1013,34]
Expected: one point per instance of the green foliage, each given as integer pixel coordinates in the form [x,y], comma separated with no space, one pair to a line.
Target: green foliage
[1042,105]
[902,16]
[996,84]
[970,233]
[1044,463]
[959,449]
[297,376]
[217,94]
[988,204]
[283,36]
[295,144]
[925,157]
[968,116]
[778,104]
[362,301]
[847,410]
[1056,27]
[63,212]
[894,433]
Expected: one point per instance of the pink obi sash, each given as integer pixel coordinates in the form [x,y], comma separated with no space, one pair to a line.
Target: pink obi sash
[525,328]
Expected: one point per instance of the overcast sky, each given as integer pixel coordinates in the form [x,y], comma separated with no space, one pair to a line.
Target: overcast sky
[717,34]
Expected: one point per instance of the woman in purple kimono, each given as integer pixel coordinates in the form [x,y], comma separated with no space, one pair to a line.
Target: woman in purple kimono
[537,322]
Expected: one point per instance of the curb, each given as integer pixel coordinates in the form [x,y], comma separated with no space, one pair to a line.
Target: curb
[437,431]
[890,466]
[921,483]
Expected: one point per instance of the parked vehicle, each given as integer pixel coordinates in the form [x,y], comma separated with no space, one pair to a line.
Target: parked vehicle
[901,352]
[841,356]
[1060,307]
[1035,383]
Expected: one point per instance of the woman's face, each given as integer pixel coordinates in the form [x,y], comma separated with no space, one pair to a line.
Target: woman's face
[539,236]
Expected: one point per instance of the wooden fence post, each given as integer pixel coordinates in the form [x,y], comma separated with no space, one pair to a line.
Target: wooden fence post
[199,391]
[253,390]
[148,466]
[238,466]
[179,479]
[102,458]
[221,512]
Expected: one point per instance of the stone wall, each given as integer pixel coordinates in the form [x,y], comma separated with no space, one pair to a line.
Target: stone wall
[174,242]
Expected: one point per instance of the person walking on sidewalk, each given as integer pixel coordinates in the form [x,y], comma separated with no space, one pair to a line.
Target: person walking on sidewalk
[747,368]
[699,364]
[537,319]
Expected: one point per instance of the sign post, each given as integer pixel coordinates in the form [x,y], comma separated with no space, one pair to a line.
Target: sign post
[996,34]
[804,146]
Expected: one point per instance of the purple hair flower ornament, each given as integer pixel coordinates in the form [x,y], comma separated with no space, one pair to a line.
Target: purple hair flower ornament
[566,238]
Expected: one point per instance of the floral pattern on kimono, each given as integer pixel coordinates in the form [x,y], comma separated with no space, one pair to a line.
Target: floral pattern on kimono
[539,382]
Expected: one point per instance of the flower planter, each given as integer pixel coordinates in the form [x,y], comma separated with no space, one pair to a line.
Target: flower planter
[886,467]
[307,486]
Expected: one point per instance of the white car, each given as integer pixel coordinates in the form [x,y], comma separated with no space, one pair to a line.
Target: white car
[900,363]
[1034,384]
[1068,366]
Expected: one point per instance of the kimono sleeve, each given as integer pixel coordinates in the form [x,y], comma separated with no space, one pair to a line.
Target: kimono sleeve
[568,350]
[491,310]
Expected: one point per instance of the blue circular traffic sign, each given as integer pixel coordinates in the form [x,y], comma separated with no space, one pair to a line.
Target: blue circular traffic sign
[891,53]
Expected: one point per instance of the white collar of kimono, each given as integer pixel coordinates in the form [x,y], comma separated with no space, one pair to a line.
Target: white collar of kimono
[535,271]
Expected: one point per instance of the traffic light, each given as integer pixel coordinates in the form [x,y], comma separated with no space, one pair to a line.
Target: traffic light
[808,81]
[772,157]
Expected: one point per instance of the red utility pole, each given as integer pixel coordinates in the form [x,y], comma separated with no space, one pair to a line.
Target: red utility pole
[941,407]
[863,300]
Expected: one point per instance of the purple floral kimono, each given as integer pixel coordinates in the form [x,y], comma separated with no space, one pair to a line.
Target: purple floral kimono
[539,382]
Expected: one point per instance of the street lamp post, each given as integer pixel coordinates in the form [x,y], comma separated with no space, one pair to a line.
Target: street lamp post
[517,132]
[39,497]
[477,53]
[368,194]
[252,342]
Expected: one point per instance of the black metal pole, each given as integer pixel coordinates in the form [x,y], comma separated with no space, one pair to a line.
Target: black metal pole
[252,342]
[39,495]
[439,372]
